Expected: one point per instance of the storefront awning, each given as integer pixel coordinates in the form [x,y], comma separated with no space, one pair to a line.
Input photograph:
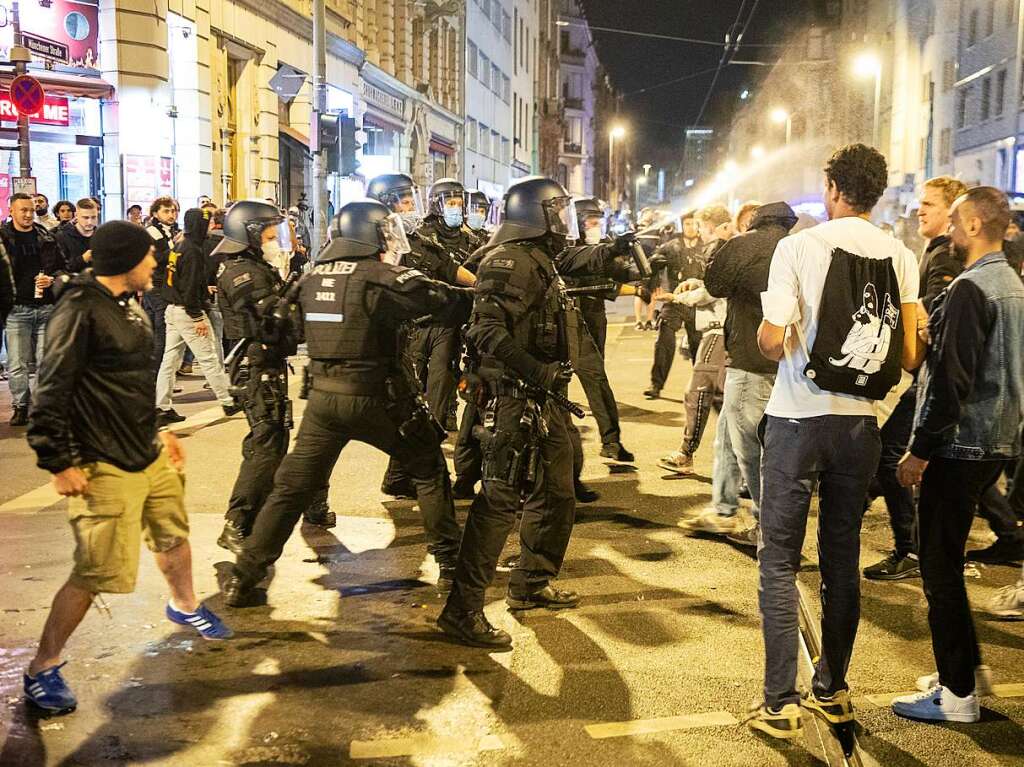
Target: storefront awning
[63,84]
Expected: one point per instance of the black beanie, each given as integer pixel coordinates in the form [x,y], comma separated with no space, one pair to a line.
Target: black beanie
[117,247]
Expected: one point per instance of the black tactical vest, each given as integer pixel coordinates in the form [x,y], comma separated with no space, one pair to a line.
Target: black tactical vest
[241,284]
[337,317]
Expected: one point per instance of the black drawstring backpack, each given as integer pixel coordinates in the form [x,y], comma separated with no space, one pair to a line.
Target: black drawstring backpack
[860,337]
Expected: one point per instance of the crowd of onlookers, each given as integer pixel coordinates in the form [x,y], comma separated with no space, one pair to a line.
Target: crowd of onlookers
[42,245]
[797,334]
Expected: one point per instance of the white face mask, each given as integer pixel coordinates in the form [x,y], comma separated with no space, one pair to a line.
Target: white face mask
[592,235]
[411,221]
[274,255]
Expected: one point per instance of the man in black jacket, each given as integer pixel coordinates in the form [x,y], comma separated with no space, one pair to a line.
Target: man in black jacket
[94,428]
[739,273]
[36,259]
[685,261]
[74,236]
[186,291]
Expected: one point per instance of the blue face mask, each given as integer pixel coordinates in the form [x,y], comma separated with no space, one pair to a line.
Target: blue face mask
[476,220]
[453,217]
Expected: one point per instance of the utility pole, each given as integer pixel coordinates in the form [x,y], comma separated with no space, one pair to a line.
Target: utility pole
[20,57]
[319,157]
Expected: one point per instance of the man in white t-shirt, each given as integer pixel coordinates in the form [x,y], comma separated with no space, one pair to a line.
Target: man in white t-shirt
[813,436]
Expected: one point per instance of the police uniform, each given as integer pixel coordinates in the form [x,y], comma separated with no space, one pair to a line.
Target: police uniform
[247,288]
[588,360]
[352,309]
[435,349]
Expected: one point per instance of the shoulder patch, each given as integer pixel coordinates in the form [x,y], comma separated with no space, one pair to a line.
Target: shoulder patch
[502,263]
[241,279]
[409,274]
[220,269]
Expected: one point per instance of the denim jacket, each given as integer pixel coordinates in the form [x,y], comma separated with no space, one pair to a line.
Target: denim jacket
[971,388]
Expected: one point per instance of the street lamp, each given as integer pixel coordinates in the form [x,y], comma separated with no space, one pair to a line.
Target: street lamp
[756,152]
[780,116]
[867,65]
[615,132]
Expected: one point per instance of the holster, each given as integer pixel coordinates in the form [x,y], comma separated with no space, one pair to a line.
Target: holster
[417,426]
[509,456]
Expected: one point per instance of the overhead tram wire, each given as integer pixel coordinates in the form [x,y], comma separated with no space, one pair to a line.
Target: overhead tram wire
[657,36]
[732,45]
[674,80]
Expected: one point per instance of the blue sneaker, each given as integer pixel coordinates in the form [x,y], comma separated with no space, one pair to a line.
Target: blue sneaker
[50,692]
[203,620]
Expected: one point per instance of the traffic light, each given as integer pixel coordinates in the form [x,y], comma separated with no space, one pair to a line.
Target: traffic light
[327,140]
[347,146]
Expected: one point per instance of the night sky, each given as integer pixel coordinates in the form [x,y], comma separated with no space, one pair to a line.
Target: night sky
[659,116]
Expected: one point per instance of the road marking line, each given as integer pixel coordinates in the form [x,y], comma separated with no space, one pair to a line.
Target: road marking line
[45,496]
[661,724]
[1008,690]
[884,699]
[421,745]
[33,500]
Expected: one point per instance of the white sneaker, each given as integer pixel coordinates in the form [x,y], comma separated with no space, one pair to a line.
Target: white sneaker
[938,705]
[982,681]
[709,521]
[1008,603]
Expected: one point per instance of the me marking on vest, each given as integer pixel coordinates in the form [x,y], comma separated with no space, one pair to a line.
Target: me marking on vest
[502,263]
[325,295]
[241,279]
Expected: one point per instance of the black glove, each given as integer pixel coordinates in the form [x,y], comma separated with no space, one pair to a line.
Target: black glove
[622,244]
[643,293]
[554,375]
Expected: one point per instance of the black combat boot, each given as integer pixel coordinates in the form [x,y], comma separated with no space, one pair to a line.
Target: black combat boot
[472,628]
[232,536]
[239,593]
[549,597]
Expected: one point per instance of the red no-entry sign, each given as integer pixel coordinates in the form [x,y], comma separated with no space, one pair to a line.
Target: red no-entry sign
[27,94]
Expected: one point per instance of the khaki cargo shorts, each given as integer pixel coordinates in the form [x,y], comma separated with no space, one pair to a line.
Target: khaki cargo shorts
[119,508]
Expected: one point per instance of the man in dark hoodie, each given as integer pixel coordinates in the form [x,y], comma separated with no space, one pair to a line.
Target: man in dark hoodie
[739,273]
[186,290]
[74,236]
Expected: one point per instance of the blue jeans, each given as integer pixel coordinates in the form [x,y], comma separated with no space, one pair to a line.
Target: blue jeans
[840,453]
[26,332]
[725,472]
[746,397]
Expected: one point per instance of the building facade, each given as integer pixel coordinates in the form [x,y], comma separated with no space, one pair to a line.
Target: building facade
[579,76]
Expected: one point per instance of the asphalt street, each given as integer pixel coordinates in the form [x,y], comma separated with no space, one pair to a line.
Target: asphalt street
[345,665]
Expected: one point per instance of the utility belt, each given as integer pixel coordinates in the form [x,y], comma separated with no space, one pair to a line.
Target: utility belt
[419,429]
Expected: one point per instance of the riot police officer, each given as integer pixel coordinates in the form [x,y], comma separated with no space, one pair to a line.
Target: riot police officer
[435,348]
[352,304]
[478,208]
[426,254]
[519,327]
[247,291]
[593,291]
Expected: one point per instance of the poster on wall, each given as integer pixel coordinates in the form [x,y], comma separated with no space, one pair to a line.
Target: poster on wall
[144,178]
[5,195]
[61,30]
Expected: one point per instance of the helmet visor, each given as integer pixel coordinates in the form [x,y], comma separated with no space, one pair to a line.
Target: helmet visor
[396,244]
[560,213]
[449,199]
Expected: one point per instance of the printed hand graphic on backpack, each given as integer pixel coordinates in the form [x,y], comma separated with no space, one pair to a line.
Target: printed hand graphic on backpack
[867,344]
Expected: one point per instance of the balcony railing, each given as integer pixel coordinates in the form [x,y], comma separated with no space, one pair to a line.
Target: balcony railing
[569,147]
[572,103]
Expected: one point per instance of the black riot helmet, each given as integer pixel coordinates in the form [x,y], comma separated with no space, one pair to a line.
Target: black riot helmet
[590,218]
[534,207]
[397,191]
[244,224]
[440,192]
[363,229]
